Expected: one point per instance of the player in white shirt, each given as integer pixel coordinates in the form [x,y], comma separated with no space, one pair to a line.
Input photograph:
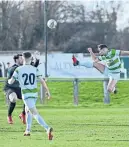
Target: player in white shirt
[112,67]
[27,76]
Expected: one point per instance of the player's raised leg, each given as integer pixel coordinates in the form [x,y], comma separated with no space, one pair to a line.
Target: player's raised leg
[89,64]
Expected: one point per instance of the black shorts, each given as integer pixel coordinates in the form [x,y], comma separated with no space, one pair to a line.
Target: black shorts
[11,90]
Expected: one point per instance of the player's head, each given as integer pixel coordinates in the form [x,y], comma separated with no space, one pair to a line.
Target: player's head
[27,57]
[18,59]
[103,49]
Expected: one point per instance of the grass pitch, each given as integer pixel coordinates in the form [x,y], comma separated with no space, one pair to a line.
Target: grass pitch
[91,124]
[72,128]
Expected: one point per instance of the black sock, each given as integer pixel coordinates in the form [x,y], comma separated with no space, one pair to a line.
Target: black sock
[23,109]
[11,108]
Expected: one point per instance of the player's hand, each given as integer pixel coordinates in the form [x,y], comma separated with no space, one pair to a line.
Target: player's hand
[89,49]
[37,54]
[48,95]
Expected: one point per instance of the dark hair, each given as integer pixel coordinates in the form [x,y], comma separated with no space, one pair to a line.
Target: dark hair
[101,46]
[16,57]
[27,55]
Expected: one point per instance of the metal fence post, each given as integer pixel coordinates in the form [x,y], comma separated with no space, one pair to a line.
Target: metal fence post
[106,93]
[75,91]
[42,94]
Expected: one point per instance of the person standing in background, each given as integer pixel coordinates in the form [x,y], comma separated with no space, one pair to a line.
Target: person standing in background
[7,68]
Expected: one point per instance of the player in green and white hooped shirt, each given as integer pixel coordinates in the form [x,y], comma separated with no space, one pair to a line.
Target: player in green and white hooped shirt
[27,76]
[112,67]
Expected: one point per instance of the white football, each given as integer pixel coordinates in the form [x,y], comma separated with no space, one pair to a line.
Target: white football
[52,24]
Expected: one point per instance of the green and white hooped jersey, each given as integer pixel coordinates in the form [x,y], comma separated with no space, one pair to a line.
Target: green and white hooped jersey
[27,76]
[112,60]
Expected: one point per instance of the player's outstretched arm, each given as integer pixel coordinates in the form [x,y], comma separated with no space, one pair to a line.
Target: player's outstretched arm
[46,87]
[122,53]
[94,58]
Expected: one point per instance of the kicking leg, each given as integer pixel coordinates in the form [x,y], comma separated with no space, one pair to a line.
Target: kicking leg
[89,64]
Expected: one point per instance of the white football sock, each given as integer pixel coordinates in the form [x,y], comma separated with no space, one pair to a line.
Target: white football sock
[28,121]
[88,64]
[41,121]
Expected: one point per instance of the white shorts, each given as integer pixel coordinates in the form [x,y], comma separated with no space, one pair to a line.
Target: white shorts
[111,76]
[30,102]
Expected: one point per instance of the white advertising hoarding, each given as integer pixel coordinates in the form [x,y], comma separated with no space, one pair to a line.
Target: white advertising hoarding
[60,66]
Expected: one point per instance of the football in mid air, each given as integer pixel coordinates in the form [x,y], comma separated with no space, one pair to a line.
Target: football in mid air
[52,24]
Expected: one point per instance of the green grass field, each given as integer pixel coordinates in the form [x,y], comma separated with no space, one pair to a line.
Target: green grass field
[91,124]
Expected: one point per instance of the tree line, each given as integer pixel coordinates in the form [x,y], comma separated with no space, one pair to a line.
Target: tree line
[22,26]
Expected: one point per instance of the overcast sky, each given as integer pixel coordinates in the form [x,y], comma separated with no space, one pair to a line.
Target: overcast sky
[123,15]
